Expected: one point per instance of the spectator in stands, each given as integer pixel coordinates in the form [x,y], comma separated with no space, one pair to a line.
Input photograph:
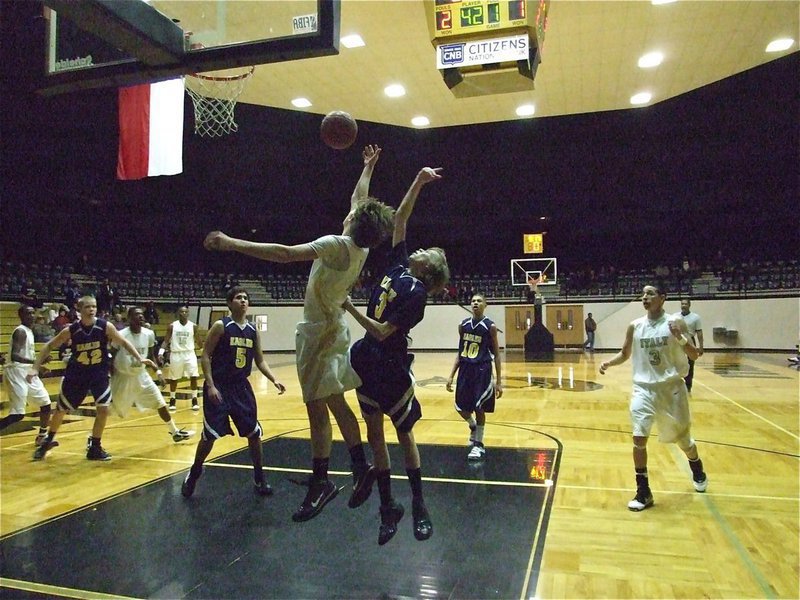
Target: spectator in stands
[29,295]
[117,320]
[229,284]
[61,321]
[42,332]
[150,313]
[105,297]
[71,294]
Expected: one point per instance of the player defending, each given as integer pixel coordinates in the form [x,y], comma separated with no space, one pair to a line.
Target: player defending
[131,384]
[182,344]
[231,348]
[660,349]
[87,371]
[23,355]
[323,337]
[382,361]
[475,390]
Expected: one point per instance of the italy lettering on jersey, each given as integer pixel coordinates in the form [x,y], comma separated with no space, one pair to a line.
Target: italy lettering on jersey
[232,358]
[656,355]
[399,299]
[475,345]
[89,345]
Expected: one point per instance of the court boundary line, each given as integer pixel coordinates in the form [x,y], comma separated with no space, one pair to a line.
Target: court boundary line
[65,592]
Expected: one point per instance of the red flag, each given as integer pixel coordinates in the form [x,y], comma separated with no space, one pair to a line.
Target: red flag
[151,130]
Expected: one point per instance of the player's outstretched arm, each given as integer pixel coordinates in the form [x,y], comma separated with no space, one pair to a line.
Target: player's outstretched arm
[361,191]
[214,335]
[456,364]
[216,240]
[425,176]
[378,330]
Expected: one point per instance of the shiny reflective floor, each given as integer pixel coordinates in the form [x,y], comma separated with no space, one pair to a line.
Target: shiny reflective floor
[544,515]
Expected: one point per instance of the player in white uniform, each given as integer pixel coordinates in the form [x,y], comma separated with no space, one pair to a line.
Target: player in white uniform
[180,339]
[659,348]
[131,384]
[323,338]
[23,355]
[695,330]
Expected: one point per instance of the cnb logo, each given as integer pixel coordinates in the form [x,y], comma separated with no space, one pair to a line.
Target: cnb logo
[452,53]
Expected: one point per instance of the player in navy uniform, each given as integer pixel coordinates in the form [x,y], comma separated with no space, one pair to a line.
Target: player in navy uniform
[475,390]
[383,363]
[230,349]
[87,371]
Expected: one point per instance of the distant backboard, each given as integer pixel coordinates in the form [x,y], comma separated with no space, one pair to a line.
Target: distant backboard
[104,43]
[523,269]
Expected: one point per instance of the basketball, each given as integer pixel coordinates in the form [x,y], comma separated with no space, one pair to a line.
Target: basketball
[338,130]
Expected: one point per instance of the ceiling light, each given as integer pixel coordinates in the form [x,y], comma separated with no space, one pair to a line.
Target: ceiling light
[395,90]
[641,98]
[651,59]
[352,41]
[657,2]
[301,103]
[780,45]
[526,110]
[420,121]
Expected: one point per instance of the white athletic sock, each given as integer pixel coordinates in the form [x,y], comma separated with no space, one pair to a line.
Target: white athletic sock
[194,394]
[471,422]
[172,397]
[479,433]
[172,427]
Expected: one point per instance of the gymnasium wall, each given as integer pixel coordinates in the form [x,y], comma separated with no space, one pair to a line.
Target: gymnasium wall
[765,324]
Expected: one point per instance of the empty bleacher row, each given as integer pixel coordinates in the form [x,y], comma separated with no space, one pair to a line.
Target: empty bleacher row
[165,286]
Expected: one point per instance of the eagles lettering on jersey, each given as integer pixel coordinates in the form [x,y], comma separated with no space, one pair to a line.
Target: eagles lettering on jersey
[89,345]
[475,345]
[399,299]
[232,358]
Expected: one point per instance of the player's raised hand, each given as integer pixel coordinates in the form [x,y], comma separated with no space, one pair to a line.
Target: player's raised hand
[371,154]
[428,174]
[216,240]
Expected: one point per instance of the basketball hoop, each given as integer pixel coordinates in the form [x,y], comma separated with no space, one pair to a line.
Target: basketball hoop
[214,98]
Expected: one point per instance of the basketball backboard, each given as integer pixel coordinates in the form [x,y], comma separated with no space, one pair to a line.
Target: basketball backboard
[110,43]
[545,270]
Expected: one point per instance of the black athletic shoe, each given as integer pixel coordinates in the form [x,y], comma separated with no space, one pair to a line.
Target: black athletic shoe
[187,488]
[423,527]
[643,499]
[97,453]
[319,494]
[43,449]
[262,488]
[363,481]
[390,517]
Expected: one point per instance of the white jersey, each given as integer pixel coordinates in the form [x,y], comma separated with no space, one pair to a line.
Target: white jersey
[692,321]
[332,277]
[28,349]
[655,354]
[182,339]
[144,340]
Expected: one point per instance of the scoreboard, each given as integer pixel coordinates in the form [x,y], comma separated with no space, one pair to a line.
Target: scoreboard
[473,37]
[453,18]
[472,16]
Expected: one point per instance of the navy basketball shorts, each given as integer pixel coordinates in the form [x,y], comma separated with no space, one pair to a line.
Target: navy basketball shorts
[475,388]
[387,384]
[76,385]
[238,405]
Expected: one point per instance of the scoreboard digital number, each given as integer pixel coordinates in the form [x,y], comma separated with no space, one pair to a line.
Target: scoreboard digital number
[473,16]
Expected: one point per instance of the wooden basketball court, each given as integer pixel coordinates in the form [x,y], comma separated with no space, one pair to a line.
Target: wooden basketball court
[738,540]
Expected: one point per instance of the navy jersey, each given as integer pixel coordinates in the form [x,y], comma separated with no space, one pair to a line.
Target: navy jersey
[232,358]
[399,299]
[89,347]
[475,344]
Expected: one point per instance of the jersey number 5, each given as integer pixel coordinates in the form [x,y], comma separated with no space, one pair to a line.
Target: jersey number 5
[387,296]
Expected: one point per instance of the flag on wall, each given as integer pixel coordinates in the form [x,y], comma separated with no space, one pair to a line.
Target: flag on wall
[151,129]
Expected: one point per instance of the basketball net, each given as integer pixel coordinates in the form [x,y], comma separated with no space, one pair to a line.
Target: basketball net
[214,98]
